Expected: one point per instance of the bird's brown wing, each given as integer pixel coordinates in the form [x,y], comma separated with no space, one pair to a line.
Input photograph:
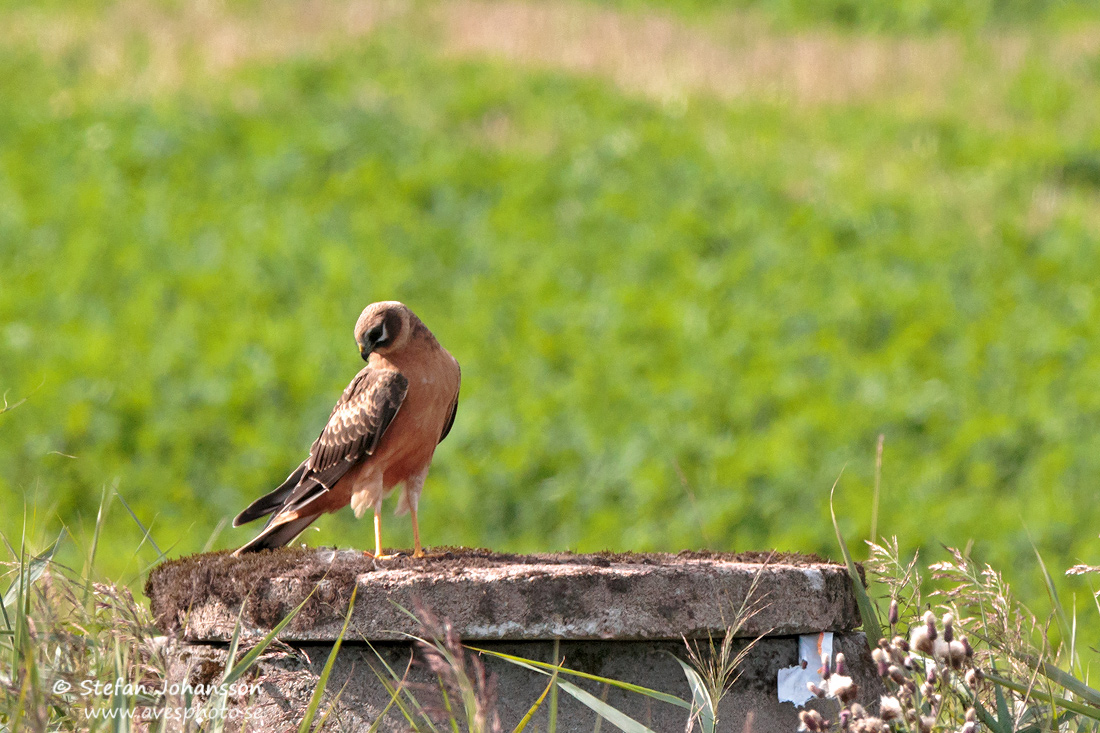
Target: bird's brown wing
[450,419]
[352,433]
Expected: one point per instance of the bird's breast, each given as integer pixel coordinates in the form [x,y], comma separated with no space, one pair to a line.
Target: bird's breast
[408,444]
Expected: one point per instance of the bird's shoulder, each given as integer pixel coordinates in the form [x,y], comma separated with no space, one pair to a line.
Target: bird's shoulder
[367,406]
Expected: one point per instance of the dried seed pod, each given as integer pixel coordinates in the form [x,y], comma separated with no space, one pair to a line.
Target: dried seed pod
[874,725]
[896,674]
[956,654]
[921,640]
[843,688]
[893,615]
[882,661]
[812,721]
[930,624]
[890,708]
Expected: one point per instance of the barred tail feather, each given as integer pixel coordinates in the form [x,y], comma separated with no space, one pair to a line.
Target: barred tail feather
[273,501]
[277,535]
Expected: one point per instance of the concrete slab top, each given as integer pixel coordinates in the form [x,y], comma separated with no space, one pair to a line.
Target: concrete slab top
[491,596]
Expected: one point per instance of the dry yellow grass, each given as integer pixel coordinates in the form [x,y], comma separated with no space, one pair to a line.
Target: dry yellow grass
[203,36]
[653,54]
[662,57]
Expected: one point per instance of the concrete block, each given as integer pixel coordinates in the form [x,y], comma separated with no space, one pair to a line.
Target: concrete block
[616,616]
[493,597]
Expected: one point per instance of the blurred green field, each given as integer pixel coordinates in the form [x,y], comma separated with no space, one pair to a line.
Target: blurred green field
[693,262]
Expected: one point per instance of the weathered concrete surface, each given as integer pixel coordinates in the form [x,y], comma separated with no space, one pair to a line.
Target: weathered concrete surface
[489,597]
[617,616]
[289,677]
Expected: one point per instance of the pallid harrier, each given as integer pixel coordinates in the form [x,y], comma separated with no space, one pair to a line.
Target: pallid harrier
[381,433]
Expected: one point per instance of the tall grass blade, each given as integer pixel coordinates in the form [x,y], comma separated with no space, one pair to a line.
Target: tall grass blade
[400,683]
[552,724]
[1004,720]
[160,555]
[612,715]
[32,572]
[89,562]
[1076,707]
[332,706]
[447,705]
[702,704]
[544,668]
[1060,677]
[872,629]
[537,704]
[322,682]
[394,694]
[395,698]
[215,534]
[119,703]
[20,641]
[254,653]
[219,701]
[1052,593]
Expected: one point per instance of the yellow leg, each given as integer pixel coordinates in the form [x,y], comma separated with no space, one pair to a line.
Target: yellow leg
[418,551]
[378,531]
[378,536]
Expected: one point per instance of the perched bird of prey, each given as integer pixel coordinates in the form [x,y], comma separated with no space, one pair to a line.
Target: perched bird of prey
[383,432]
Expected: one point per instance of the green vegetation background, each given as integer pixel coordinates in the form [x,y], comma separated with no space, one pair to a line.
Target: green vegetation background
[679,317]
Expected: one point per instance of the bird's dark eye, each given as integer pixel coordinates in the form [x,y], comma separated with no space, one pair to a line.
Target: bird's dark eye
[377,334]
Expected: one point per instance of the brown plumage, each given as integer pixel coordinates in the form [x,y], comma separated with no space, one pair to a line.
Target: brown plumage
[382,432]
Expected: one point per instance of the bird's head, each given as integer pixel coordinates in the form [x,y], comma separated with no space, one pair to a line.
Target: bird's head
[382,327]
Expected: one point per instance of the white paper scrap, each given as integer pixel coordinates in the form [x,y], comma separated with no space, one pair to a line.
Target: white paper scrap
[813,650]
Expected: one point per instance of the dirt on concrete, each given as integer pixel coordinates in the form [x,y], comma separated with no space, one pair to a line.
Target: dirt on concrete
[175,585]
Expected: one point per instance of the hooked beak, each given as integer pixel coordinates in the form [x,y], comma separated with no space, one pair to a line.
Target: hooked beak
[364,351]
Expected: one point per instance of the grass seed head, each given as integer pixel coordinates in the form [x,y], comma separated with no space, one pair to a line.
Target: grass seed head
[843,688]
[921,639]
[890,708]
[882,661]
[812,721]
[956,654]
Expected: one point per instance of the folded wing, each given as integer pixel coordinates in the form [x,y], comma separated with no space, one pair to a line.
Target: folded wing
[356,424]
